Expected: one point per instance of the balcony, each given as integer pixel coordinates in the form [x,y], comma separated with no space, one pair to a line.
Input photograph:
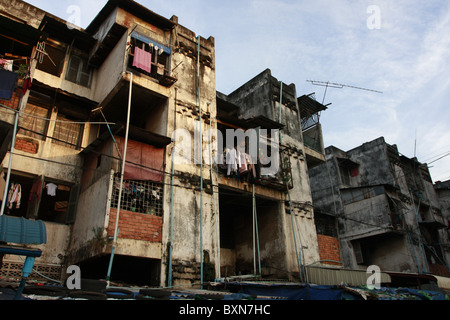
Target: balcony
[431,218]
[310,111]
[158,59]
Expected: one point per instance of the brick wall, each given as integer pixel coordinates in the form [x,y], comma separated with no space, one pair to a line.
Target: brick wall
[14,102]
[136,226]
[328,249]
[27,145]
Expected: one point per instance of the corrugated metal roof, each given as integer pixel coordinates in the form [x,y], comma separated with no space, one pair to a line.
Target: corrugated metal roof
[443,282]
[336,276]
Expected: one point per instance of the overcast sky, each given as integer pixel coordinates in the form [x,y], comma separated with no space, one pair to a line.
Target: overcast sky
[398,47]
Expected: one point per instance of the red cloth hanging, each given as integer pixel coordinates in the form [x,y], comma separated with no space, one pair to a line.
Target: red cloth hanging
[142,59]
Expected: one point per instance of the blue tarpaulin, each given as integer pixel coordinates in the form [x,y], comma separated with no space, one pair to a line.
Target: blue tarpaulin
[323,292]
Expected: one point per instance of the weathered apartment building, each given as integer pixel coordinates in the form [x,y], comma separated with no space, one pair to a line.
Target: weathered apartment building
[107,152]
[375,206]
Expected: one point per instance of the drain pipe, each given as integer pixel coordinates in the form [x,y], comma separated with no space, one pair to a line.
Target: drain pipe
[8,175]
[169,283]
[201,162]
[212,190]
[116,230]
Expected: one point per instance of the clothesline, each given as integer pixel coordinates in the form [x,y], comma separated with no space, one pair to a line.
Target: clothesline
[15,192]
[237,162]
[55,120]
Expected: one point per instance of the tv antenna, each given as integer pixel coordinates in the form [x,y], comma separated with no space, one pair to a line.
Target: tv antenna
[328,84]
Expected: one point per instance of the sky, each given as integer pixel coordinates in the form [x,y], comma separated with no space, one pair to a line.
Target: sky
[397,52]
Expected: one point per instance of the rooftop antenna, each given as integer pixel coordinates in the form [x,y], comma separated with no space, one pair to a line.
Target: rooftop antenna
[328,84]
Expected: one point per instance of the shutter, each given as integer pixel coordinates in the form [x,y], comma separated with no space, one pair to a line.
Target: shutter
[358,252]
[72,70]
[73,204]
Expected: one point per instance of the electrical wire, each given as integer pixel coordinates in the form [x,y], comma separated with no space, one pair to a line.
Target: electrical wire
[24,114]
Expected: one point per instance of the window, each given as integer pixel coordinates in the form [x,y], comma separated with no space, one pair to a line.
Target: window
[139,196]
[50,58]
[54,202]
[42,198]
[67,133]
[35,123]
[345,175]
[360,252]
[78,71]
[347,170]
[158,54]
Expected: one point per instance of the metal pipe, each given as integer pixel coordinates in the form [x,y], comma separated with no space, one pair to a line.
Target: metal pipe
[169,282]
[116,229]
[8,175]
[213,199]
[254,240]
[256,234]
[201,162]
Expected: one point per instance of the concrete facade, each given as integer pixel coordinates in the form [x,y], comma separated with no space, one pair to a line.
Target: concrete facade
[182,219]
[383,209]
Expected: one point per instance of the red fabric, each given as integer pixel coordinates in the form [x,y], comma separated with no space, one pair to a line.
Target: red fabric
[35,192]
[26,85]
[354,172]
[141,159]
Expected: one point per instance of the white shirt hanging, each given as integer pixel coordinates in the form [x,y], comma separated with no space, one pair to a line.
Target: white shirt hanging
[51,189]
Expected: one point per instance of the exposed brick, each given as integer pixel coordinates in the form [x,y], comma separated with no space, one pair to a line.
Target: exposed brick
[328,248]
[27,145]
[137,226]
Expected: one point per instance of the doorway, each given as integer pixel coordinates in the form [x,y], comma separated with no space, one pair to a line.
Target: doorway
[250,244]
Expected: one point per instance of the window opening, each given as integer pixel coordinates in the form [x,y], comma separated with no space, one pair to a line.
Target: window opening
[39,198]
[78,71]
[67,133]
[139,196]
[51,58]
[153,62]
[34,123]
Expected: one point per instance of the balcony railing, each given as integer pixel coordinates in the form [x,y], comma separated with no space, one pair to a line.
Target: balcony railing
[139,196]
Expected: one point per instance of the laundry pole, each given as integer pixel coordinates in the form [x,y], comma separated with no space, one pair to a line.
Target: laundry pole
[255,236]
[172,174]
[8,175]
[119,201]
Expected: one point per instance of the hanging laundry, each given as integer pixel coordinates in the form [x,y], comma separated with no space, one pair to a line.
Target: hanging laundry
[7,64]
[35,192]
[14,195]
[142,59]
[7,84]
[51,189]
[26,85]
[232,159]
[155,194]
[243,168]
